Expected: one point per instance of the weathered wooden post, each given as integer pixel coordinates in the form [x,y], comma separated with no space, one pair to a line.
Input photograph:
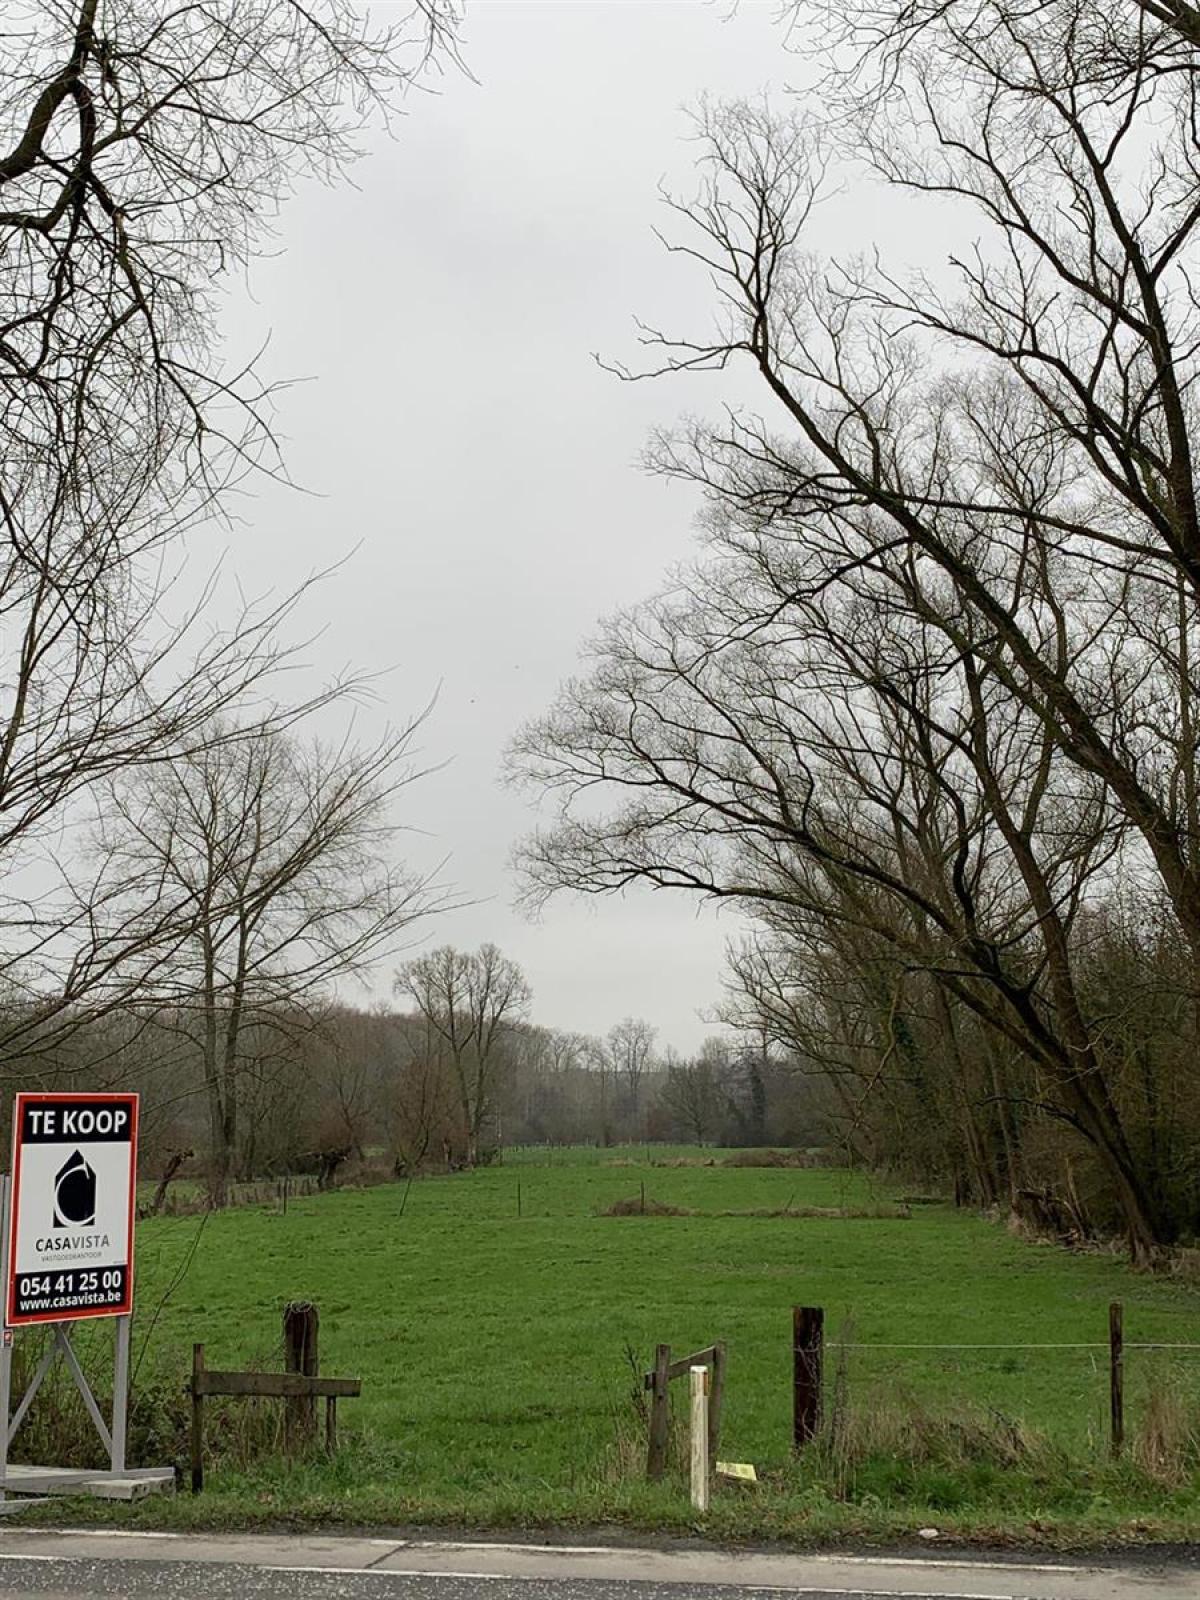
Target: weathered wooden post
[715,1398]
[808,1340]
[699,1380]
[300,1329]
[660,1415]
[1116,1377]
[197,1420]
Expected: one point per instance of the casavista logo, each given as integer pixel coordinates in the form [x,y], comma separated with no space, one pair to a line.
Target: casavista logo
[74,1194]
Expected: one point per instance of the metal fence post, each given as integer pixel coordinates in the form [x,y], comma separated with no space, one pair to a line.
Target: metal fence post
[120,1404]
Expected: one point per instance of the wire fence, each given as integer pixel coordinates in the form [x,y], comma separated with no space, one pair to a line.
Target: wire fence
[1148,1344]
[1162,1394]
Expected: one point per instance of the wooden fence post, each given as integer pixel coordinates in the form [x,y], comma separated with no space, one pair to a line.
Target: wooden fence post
[808,1338]
[300,1331]
[197,1421]
[715,1397]
[330,1425]
[656,1455]
[699,1450]
[1116,1375]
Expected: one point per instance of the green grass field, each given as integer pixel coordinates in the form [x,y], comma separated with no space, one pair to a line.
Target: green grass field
[494,1352]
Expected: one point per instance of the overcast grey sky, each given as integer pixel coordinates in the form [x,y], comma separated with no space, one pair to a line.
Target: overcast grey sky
[457,430]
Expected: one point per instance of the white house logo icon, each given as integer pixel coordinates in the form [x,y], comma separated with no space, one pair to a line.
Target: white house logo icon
[74,1194]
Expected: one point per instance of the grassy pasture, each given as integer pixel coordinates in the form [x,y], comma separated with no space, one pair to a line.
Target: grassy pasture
[497,1380]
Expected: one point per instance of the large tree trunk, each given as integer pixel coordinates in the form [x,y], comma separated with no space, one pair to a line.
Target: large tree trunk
[219,1152]
[1008,1134]
[982,1173]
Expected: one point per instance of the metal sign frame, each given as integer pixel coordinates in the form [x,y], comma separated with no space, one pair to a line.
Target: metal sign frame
[112,1436]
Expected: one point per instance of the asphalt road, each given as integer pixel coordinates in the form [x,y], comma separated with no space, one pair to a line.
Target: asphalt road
[70,1580]
[73,1565]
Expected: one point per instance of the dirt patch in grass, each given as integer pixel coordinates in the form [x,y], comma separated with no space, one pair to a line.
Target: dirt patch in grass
[663,1161]
[825,1213]
[637,1206]
[770,1158]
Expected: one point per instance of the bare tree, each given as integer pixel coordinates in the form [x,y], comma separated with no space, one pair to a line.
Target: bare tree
[281,849]
[143,151]
[471,1002]
[994,479]
[819,768]
[342,1045]
[693,1091]
[629,1044]
[421,1096]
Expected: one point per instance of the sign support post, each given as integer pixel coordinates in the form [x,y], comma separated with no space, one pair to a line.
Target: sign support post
[120,1411]
[6,1346]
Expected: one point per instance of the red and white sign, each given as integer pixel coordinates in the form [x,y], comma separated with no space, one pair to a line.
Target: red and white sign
[71,1207]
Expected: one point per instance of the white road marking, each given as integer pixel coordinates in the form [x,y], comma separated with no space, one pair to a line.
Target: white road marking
[99,1533]
[934,1563]
[509,1577]
[399,1572]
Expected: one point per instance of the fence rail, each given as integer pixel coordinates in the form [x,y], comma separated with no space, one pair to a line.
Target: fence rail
[300,1386]
[658,1382]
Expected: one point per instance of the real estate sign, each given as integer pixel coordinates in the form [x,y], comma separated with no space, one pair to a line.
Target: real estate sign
[71,1207]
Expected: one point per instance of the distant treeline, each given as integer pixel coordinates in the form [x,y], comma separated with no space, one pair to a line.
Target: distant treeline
[442,1083]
